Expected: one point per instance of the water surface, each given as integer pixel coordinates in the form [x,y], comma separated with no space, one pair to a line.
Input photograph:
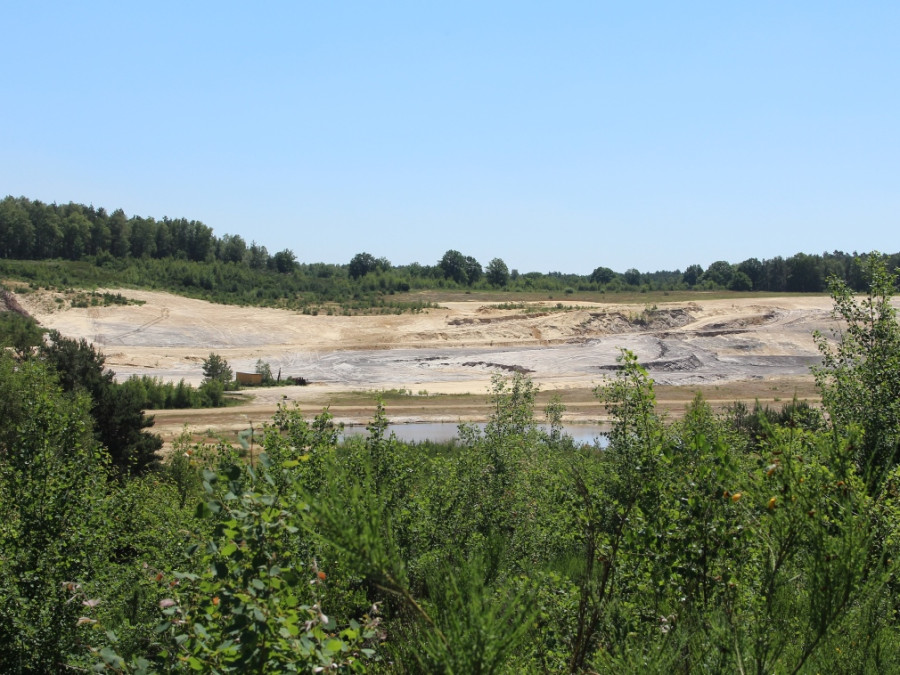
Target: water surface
[447,431]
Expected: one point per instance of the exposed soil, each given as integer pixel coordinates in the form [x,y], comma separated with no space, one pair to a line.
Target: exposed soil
[8,303]
[746,346]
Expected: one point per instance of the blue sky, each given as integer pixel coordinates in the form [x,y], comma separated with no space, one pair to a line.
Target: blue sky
[557,136]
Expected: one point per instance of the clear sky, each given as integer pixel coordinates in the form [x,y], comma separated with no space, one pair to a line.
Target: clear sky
[559,136]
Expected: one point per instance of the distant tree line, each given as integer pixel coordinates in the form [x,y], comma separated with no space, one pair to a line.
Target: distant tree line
[32,230]
[801,273]
[186,257]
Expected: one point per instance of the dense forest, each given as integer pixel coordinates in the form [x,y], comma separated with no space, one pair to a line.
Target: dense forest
[73,244]
[756,540]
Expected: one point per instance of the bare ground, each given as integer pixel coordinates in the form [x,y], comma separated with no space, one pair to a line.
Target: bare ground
[746,348]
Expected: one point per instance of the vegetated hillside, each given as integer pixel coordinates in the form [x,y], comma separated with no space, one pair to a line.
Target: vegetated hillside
[77,245]
[757,540]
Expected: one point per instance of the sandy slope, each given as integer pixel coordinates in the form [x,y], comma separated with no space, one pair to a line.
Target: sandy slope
[456,349]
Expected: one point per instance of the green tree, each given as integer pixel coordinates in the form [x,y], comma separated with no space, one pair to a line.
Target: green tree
[100,234]
[740,282]
[17,233]
[860,373]
[46,230]
[143,237]
[212,393]
[264,369]
[632,277]
[76,236]
[692,275]
[52,480]
[119,233]
[217,368]
[285,261]
[473,270]
[453,265]
[602,275]
[19,332]
[119,420]
[776,274]
[497,272]
[164,240]
[755,271]
[232,248]
[719,273]
[804,273]
[256,256]
[256,606]
[362,264]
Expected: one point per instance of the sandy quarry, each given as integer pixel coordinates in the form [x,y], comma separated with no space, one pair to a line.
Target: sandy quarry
[452,350]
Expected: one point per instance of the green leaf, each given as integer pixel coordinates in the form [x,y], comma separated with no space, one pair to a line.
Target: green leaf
[113,659]
[334,645]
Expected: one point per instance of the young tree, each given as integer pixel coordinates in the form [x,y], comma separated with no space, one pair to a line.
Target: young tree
[264,369]
[19,332]
[860,374]
[216,368]
[256,256]
[52,480]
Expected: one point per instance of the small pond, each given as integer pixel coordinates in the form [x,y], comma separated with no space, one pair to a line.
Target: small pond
[447,431]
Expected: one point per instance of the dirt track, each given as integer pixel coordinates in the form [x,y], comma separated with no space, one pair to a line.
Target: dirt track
[452,350]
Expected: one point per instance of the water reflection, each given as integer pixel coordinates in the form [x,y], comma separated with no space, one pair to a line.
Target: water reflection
[447,431]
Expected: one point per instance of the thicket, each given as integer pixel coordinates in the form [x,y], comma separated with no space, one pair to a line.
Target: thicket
[73,245]
[117,413]
[116,410]
[154,393]
[761,541]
